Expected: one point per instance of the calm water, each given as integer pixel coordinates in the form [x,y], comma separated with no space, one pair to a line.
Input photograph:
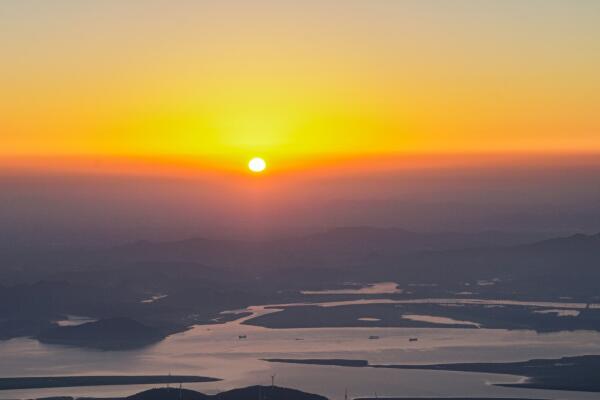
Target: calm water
[373,288]
[215,350]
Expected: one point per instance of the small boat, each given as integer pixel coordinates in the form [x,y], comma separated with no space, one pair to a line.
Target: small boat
[373,337]
[242,337]
[413,339]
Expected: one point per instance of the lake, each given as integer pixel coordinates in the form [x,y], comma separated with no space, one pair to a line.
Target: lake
[216,350]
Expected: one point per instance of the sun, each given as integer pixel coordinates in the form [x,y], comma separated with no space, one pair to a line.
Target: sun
[257,164]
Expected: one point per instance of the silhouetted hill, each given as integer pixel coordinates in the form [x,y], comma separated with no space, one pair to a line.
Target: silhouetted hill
[169,394]
[248,393]
[112,333]
[267,392]
[577,242]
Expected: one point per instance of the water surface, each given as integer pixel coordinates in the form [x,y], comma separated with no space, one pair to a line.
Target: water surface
[216,350]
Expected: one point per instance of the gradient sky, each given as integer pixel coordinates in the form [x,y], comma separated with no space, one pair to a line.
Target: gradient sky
[222,81]
[122,120]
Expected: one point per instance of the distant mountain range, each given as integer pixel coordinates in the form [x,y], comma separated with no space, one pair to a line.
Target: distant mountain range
[556,268]
[194,280]
[336,247]
[341,247]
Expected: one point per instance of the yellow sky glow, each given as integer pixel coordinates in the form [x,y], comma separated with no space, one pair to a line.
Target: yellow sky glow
[221,82]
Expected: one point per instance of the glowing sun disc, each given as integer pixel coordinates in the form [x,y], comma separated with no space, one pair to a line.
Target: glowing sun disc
[257,164]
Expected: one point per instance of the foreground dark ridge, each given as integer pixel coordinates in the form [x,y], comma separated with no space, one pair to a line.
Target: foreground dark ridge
[581,373]
[255,393]
[40,382]
[263,392]
[248,393]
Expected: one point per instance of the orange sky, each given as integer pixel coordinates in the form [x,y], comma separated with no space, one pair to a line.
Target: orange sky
[303,84]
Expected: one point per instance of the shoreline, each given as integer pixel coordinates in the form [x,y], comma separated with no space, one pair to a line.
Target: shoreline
[578,373]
